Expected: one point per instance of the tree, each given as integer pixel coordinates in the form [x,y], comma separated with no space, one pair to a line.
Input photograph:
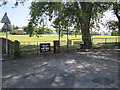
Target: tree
[42,30]
[37,31]
[112,25]
[4,2]
[114,33]
[94,33]
[25,28]
[81,15]
[116,8]
[15,27]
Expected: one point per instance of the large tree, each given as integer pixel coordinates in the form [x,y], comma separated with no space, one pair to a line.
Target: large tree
[81,15]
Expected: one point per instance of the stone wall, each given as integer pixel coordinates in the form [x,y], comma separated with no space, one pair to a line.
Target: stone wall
[13,48]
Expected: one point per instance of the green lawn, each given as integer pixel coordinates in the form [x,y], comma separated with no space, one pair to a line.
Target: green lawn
[22,38]
[27,39]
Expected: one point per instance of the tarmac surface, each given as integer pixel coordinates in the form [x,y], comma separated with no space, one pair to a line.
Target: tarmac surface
[93,69]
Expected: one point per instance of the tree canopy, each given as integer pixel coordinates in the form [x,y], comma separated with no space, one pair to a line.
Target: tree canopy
[80,15]
[37,31]
[116,11]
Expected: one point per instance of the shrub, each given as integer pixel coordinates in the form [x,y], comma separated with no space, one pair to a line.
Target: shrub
[21,33]
[114,33]
[14,32]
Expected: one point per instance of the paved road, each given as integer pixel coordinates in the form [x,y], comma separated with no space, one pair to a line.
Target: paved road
[94,69]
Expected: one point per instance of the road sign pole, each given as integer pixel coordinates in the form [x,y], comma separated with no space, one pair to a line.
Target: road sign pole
[6,43]
[6,20]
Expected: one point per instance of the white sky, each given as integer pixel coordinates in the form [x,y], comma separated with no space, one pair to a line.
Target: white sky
[20,15]
[108,16]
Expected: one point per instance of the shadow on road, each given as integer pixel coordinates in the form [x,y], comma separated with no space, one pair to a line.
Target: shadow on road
[93,69]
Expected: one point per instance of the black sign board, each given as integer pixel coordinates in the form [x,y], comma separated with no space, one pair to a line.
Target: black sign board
[45,47]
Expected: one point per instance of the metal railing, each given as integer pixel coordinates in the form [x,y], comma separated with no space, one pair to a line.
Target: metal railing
[105,42]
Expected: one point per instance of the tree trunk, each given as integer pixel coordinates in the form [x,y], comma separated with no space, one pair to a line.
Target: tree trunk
[116,11]
[86,36]
[119,27]
[118,22]
[85,24]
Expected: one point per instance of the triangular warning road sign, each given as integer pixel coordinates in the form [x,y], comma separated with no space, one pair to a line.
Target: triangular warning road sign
[6,26]
[5,19]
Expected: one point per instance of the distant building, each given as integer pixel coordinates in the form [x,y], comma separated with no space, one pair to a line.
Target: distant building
[20,30]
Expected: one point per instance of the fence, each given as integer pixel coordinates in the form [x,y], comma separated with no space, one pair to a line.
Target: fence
[105,42]
[33,47]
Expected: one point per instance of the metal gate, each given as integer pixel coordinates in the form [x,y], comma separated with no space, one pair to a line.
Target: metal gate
[33,47]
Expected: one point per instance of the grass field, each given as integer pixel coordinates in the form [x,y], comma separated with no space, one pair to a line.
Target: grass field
[26,38]
[29,45]
[23,38]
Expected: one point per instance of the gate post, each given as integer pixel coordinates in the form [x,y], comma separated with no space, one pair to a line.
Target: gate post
[56,46]
[16,49]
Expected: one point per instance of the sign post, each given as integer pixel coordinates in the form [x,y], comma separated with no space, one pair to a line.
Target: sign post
[6,20]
